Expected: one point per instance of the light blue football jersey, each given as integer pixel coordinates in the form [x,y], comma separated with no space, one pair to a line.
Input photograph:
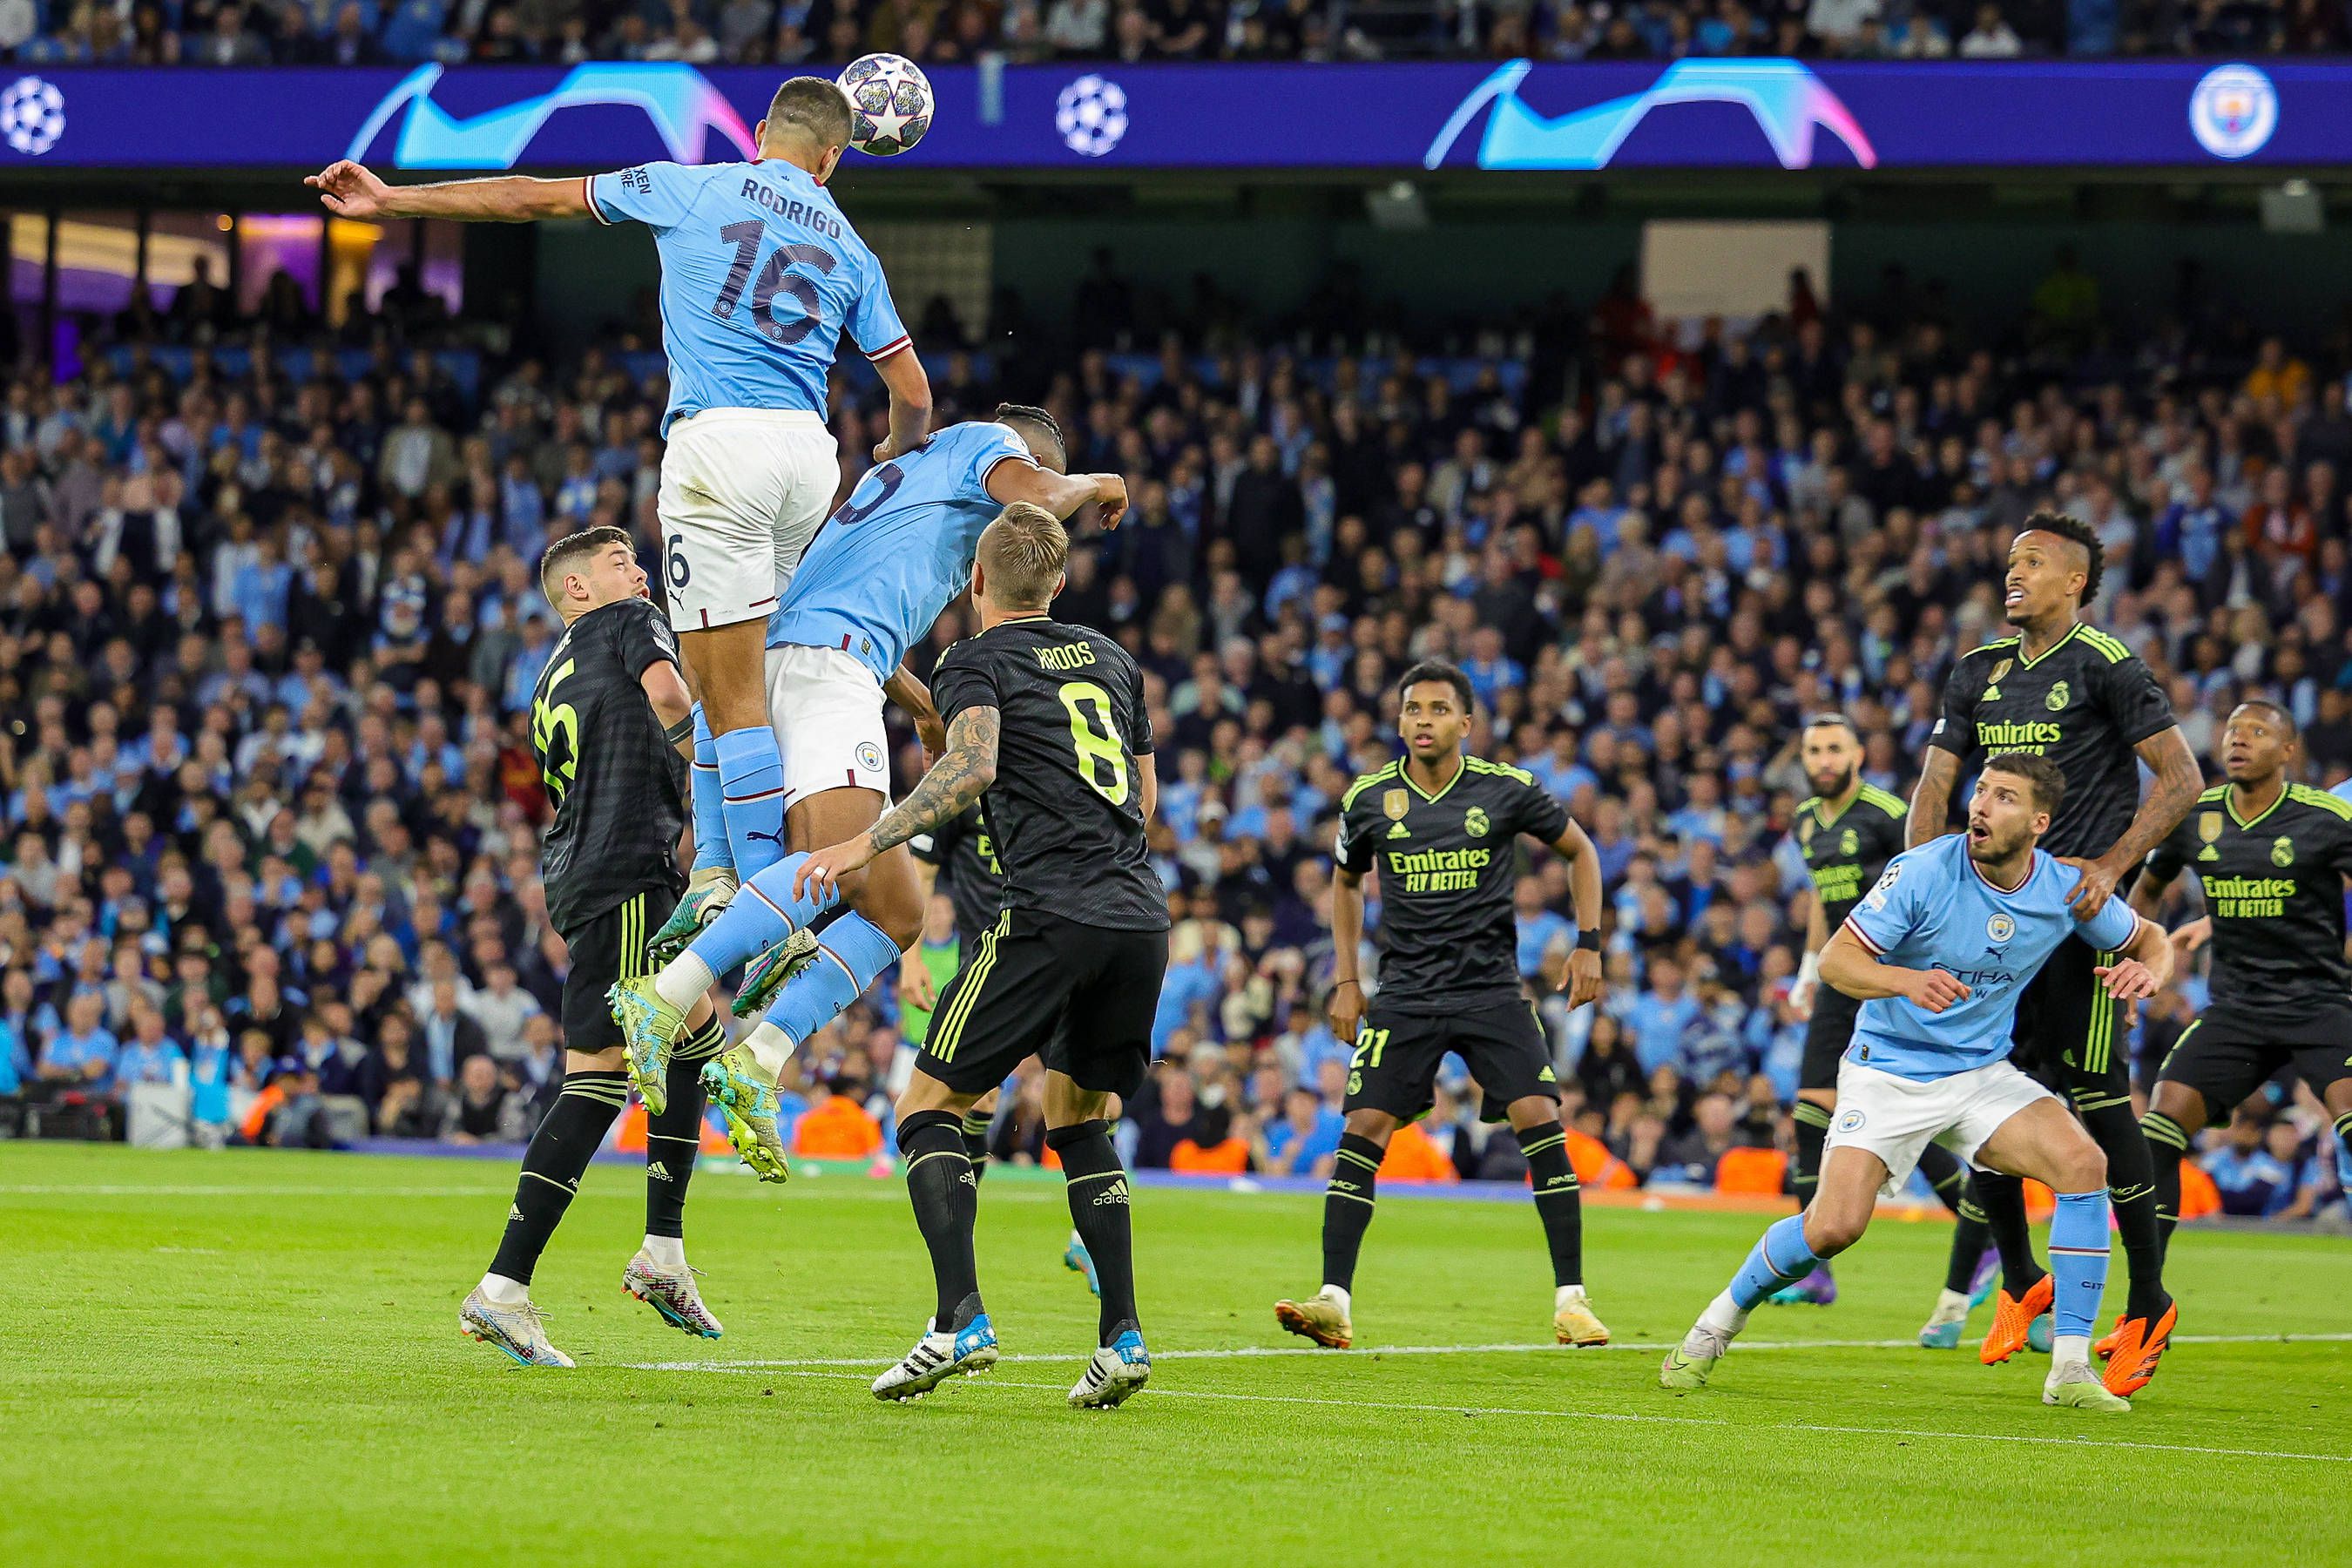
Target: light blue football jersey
[760,276]
[884,566]
[1934,909]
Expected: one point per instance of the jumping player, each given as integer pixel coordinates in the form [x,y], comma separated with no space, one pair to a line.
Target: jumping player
[760,277]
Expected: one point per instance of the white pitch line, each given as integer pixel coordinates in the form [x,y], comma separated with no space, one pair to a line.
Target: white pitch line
[1247,1353]
[1510,1411]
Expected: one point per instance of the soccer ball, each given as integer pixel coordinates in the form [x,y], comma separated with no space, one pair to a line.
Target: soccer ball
[889,104]
[32,115]
[1091,115]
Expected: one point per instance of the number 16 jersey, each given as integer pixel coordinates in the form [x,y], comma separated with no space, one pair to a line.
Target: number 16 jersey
[1066,808]
[761,275]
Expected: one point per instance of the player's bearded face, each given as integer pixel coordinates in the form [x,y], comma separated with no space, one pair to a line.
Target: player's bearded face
[1830,764]
[2001,818]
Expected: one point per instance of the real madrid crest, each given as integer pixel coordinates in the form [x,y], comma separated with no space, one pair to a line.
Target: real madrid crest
[1850,842]
[2058,698]
[1475,823]
[2209,828]
[2282,851]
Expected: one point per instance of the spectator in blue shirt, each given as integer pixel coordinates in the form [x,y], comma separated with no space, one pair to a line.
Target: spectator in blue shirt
[152,1056]
[83,1051]
[1660,1016]
[15,1063]
[2251,1180]
[1545,936]
[1304,1140]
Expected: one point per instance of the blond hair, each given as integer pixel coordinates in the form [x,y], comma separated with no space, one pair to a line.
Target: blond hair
[1021,555]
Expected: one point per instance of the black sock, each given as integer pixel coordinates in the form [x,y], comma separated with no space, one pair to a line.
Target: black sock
[1348,1207]
[2131,1191]
[1813,1127]
[2168,1143]
[551,1167]
[1948,1176]
[2003,1199]
[1099,1208]
[975,1141]
[1970,1237]
[947,1206]
[1558,1203]
[673,1139]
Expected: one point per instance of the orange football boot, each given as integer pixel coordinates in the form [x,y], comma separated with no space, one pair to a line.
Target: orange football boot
[2011,1318]
[2138,1347]
[2107,1347]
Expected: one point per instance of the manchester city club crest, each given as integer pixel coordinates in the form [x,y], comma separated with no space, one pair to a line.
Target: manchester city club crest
[2058,699]
[2209,828]
[2282,851]
[1475,823]
[1999,928]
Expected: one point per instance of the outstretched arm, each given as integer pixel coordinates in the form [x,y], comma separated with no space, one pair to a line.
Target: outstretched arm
[349,190]
[909,387]
[1060,494]
[955,780]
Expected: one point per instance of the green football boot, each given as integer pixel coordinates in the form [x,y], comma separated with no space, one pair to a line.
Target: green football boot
[767,973]
[732,1080]
[707,893]
[648,1025]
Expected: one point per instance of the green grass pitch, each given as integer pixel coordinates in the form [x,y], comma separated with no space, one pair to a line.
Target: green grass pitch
[254,1357]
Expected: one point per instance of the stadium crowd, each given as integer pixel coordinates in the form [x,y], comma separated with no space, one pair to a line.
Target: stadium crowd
[831,33]
[267,646]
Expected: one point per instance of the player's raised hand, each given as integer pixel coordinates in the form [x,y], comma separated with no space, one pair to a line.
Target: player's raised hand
[1346,1012]
[2127,980]
[822,871]
[1583,977]
[1932,990]
[2091,894]
[1110,495]
[349,190]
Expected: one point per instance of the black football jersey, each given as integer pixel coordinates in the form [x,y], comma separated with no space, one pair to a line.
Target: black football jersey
[1847,852]
[618,783]
[965,853]
[1066,813]
[1446,863]
[2274,886]
[2083,704]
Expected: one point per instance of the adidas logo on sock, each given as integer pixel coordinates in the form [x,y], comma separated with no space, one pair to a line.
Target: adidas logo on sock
[657,1171]
[1114,1194]
[514,1213]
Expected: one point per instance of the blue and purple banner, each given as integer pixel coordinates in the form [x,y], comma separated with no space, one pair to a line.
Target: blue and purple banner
[1689,114]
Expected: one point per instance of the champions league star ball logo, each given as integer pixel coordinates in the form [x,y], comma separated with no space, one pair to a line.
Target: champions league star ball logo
[1091,115]
[32,115]
[2233,111]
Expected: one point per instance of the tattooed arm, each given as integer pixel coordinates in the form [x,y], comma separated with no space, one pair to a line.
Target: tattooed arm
[955,780]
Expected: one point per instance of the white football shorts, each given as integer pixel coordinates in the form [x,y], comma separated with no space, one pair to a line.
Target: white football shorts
[742,491]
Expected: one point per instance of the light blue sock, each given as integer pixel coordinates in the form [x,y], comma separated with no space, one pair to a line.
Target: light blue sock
[710,846]
[751,794]
[2078,1258]
[853,953]
[762,915]
[1780,1258]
